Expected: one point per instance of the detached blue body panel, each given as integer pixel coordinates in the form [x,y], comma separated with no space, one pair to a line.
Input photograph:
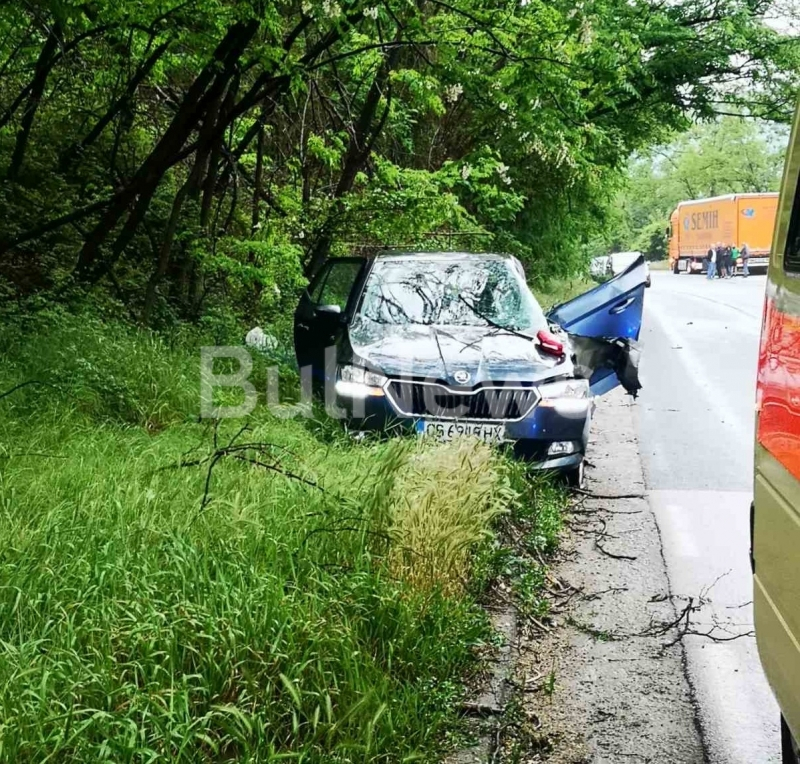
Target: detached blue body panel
[610,311]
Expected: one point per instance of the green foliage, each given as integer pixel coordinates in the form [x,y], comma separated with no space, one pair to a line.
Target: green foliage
[729,155]
[202,159]
[104,371]
[140,621]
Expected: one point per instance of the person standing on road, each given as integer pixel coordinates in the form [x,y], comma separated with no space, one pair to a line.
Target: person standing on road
[712,262]
[745,254]
[734,259]
[726,261]
[720,250]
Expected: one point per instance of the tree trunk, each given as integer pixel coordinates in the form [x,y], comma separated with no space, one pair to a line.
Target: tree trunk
[204,91]
[130,91]
[362,139]
[216,141]
[189,189]
[164,252]
[44,65]
[258,185]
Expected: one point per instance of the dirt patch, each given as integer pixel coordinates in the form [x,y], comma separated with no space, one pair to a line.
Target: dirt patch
[604,684]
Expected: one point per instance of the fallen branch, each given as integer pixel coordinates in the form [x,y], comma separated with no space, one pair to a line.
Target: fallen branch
[351,529]
[657,630]
[29,383]
[610,496]
[574,511]
[611,590]
[238,452]
[280,470]
[683,624]
[614,556]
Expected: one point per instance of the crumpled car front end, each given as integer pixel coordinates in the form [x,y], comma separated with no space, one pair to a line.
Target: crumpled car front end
[539,411]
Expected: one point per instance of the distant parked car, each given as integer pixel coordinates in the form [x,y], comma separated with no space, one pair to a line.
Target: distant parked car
[600,267]
[450,344]
[620,261]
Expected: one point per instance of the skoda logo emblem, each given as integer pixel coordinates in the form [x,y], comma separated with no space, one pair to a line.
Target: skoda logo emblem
[461,376]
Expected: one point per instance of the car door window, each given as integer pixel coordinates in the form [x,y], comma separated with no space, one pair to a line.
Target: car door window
[335,286]
[791,257]
[318,284]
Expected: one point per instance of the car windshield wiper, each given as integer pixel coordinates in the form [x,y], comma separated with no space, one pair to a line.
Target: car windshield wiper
[492,323]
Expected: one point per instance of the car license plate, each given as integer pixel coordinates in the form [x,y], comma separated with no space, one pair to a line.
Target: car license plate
[445,431]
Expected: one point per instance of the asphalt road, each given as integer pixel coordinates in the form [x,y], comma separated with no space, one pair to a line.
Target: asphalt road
[696,417]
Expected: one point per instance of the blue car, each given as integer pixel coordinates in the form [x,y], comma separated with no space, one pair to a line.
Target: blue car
[449,344]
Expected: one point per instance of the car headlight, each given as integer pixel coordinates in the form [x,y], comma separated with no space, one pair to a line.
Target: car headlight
[358,382]
[569,389]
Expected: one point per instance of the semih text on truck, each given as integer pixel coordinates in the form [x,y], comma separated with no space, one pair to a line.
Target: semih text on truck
[732,220]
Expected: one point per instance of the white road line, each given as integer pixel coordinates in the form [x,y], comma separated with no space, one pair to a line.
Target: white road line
[696,367]
[681,529]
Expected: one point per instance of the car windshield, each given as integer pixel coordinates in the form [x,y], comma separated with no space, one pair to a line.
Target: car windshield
[457,292]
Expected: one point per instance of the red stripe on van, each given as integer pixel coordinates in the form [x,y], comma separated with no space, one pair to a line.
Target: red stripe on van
[778,392]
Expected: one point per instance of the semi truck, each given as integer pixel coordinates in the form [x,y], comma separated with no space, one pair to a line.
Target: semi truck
[738,219]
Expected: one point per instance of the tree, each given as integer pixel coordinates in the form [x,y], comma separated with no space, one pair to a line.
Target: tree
[728,155]
[199,154]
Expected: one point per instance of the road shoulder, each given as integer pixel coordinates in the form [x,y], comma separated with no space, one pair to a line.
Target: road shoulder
[603,683]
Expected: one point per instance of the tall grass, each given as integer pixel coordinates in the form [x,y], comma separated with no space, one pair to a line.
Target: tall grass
[444,504]
[151,613]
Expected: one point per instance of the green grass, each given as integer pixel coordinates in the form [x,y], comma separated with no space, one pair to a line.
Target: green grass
[556,291]
[149,612]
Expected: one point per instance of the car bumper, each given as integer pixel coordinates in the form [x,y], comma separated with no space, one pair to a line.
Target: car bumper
[527,439]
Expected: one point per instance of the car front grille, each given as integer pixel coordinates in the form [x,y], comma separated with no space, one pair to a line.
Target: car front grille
[497,402]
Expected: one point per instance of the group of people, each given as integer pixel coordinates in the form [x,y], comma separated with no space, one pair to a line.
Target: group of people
[722,260]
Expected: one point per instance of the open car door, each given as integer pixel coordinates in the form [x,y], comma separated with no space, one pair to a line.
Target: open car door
[322,312]
[604,325]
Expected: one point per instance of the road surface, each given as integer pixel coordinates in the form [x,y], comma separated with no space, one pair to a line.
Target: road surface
[696,418]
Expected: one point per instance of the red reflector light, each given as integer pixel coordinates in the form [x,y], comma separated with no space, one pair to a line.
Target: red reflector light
[549,344]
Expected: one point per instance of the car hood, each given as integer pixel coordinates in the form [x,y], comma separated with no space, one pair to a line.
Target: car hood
[446,353]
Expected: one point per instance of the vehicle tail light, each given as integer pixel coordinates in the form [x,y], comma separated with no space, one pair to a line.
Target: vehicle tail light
[549,343]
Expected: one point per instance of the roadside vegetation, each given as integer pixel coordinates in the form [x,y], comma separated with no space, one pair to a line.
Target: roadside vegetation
[199,159]
[551,292]
[195,591]
[172,173]
[731,155]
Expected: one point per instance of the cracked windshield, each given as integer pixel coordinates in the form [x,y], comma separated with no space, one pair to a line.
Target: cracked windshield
[388,382]
[467,293]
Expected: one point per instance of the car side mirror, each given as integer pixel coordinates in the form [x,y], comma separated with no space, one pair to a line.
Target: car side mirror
[329,309]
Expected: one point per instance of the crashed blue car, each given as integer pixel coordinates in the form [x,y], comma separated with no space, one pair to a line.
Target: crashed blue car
[448,344]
